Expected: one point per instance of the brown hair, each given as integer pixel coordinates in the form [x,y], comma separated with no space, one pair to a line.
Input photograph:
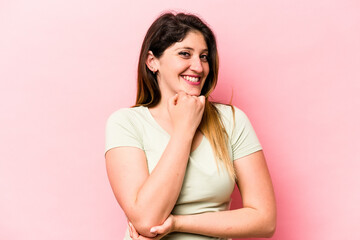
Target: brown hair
[167,29]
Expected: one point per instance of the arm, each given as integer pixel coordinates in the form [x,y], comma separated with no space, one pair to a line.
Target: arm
[148,199]
[257,218]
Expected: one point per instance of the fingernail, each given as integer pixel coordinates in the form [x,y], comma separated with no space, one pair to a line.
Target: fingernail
[153,230]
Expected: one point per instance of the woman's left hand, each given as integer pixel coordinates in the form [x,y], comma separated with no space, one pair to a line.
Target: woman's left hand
[162,230]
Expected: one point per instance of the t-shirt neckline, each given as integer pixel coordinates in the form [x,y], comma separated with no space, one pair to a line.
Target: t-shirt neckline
[157,125]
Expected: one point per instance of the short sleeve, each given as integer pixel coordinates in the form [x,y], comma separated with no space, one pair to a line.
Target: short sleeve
[243,138]
[122,131]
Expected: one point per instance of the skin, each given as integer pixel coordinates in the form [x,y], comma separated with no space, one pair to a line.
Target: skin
[185,58]
[179,112]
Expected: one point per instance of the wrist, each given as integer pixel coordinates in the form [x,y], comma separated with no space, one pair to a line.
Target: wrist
[182,135]
[177,223]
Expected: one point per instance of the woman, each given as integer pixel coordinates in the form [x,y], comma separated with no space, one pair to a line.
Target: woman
[173,159]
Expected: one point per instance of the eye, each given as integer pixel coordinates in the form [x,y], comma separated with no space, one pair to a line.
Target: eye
[204,57]
[184,54]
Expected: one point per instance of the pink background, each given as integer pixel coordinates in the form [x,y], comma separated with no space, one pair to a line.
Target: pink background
[292,66]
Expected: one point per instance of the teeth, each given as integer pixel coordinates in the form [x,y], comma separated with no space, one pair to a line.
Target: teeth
[191,79]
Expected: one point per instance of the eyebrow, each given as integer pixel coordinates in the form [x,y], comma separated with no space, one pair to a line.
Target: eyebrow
[189,48]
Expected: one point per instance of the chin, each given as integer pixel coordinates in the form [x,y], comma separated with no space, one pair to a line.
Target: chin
[192,92]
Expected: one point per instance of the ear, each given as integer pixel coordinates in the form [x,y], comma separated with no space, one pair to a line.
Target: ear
[152,62]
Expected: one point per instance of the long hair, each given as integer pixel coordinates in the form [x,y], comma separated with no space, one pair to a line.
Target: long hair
[166,30]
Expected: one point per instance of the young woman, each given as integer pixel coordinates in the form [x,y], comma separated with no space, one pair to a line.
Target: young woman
[174,158]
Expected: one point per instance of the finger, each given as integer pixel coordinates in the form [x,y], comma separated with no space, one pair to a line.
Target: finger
[183,95]
[202,99]
[135,233]
[161,229]
[130,230]
[154,230]
[173,100]
[157,230]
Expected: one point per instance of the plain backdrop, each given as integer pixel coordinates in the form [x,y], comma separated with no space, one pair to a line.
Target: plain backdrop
[65,66]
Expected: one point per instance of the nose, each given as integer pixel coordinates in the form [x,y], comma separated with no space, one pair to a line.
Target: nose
[196,65]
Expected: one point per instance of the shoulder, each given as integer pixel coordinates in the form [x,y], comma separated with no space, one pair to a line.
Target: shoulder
[227,108]
[128,118]
[126,114]
[124,128]
[229,113]
[241,134]
[233,118]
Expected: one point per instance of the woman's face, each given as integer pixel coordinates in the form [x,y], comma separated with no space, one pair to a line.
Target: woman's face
[184,66]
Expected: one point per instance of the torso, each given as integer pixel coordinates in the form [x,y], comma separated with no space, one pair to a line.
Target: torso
[206,188]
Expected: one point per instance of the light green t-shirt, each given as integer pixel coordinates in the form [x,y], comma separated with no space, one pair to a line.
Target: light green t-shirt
[205,189]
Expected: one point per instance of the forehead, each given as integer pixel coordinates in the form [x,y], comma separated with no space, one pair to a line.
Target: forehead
[193,39]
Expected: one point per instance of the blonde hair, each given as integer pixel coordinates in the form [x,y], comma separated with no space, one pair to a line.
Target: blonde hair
[214,130]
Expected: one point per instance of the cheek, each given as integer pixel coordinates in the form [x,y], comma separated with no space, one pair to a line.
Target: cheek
[206,69]
[180,66]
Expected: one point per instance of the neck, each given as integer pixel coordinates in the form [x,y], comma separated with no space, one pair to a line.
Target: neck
[160,110]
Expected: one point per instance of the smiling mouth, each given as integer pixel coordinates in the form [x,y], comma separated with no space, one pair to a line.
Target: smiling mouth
[192,80]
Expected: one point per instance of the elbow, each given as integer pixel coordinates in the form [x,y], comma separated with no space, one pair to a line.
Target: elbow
[270,230]
[269,226]
[143,227]
[143,221]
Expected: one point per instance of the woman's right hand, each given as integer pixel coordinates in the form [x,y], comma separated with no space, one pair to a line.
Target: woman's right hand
[186,112]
